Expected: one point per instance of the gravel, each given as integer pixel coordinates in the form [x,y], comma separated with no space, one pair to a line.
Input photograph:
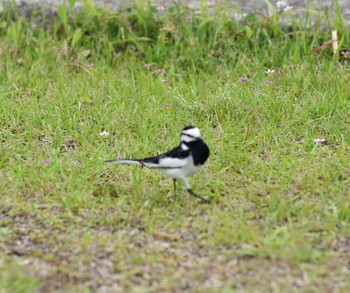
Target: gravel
[245,6]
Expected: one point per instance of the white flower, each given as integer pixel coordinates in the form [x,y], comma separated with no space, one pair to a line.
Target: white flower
[320,141]
[281,4]
[104,133]
[287,8]
[239,16]
[269,71]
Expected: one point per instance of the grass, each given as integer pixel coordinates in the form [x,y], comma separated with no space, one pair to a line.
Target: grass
[280,214]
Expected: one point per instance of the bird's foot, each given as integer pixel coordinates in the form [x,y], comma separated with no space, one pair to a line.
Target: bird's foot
[204,200]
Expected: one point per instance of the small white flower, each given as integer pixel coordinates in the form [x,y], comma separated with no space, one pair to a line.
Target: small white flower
[104,133]
[269,71]
[281,4]
[320,141]
[287,8]
[239,16]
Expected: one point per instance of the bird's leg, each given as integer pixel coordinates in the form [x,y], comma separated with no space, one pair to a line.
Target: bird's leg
[205,200]
[174,188]
[193,193]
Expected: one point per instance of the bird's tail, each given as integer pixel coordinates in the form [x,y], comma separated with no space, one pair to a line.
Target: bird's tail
[130,162]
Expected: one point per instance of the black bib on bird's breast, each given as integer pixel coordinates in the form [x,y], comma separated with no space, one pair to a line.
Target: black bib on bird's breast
[199,151]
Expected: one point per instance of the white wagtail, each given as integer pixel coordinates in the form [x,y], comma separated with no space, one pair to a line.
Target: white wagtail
[181,162]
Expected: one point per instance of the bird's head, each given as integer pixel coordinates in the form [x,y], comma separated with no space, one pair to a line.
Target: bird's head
[190,133]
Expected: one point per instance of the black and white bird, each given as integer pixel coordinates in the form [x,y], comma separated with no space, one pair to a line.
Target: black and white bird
[181,162]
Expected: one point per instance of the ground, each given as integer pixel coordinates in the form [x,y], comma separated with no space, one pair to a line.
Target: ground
[278,173]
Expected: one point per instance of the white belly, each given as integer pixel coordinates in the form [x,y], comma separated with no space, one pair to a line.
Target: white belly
[186,170]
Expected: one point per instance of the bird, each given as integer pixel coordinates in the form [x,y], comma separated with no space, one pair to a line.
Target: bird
[180,162]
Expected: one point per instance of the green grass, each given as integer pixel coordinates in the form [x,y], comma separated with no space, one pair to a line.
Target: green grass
[280,216]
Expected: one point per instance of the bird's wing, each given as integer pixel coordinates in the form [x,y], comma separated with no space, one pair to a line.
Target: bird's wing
[176,158]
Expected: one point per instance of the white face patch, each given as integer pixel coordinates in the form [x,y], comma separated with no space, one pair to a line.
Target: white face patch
[192,132]
[186,138]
